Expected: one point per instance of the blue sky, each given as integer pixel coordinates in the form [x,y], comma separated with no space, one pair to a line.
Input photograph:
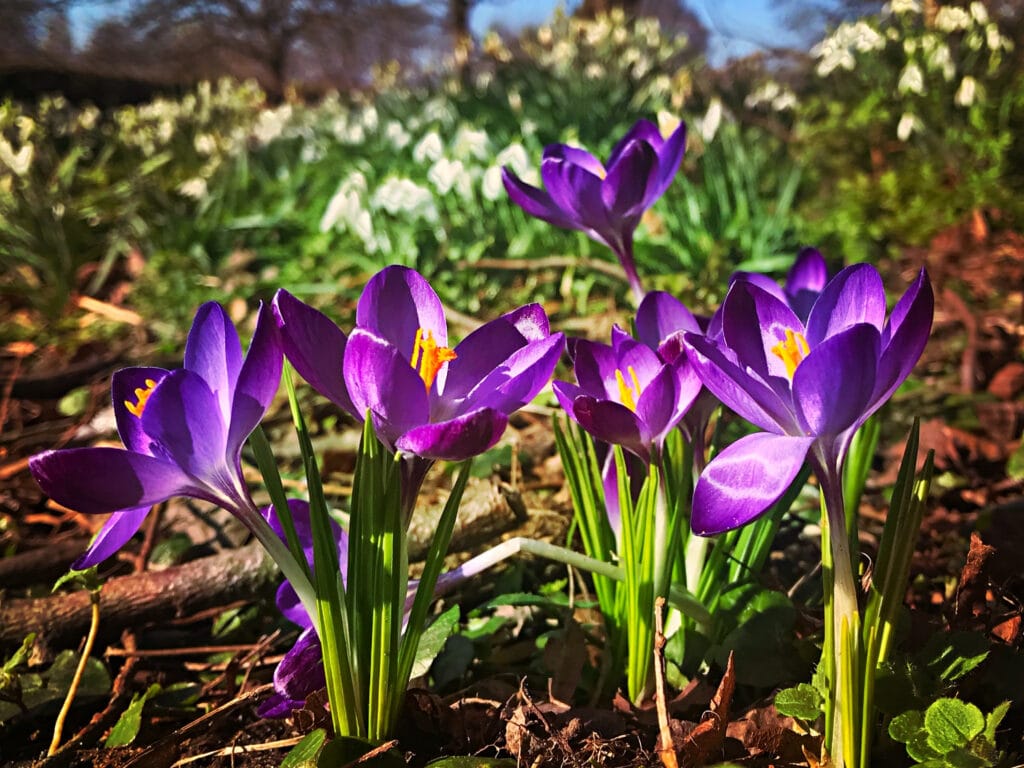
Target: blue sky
[734,25]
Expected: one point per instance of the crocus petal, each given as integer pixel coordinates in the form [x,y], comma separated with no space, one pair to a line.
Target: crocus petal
[92,480]
[123,386]
[658,405]
[642,130]
[577,192]
[457,439]
[114,534]
[805,281]
[380,379]
[745,479]
[904,338]
[396,303]
[576,156]
[315,346]
[182,417]
[753,322]
[612,423]
[257,382]
[485,349]
[630,353]
[737,388]
[661,314]
[833,384]
[214,352]
[855,295]
[536,202]
[300,673]
[670,157]
[594,365]
[516,381]
[628,187]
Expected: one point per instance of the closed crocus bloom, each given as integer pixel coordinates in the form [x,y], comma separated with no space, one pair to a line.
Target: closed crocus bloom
[809,386]
[182,430]
[605,202]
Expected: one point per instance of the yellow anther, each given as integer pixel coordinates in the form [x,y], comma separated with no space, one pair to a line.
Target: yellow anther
[792,351]
[628,394]
[141,396]
[428,357]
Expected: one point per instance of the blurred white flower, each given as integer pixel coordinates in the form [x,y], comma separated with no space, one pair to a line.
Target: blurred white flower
[428,148]
[966,92]
[979,12]
[194,188]
[447,174]
[900,7]
[369,118]
[941,59]
[907,125]
[516,158]
[470,142]
[491,186]
[912,80]
[19,161]
[774,95]
[994,40]
[785,100]
[951,18]
[593,71]
[346,207]
[544,36]
[271,123]
[205,144]
[397,135]
[405,196]
[707,126]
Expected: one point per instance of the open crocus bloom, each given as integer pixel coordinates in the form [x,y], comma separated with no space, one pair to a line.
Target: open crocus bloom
[809,386]
[182,430]
[626,394]
[604,202]
[426,399]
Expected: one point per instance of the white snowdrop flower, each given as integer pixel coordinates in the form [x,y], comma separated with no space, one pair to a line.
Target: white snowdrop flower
[892,33]
[979,12]
[528,127]
[641,68]
[311,152]
[597,31]
[785,100]
[194,188]
[630,56]
[909,46]
[204,144]
[165,131]
[544,36]
[436,111]
[471,142]
[907,125]
[660,85]
[912,80]
[994,40]
[428,148]
[447,174]
[593,71]
[865,38]
[515,100]
[353,133]
[762,94]
[515,157]
[708,125]
[951,19]
[271,123]
[900,7]
[491,185]
[941,59]
[966,92]
[562,52]
[620,35]
[405,196]
[397,135]
[87,118]
[369,118]
[19,161]
[483,80]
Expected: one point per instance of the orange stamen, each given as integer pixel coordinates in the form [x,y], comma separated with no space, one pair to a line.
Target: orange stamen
[428,357]
[628,394]
[142,396]
[792,351]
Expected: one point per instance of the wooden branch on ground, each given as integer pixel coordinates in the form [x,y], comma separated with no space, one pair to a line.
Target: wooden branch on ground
[127,601]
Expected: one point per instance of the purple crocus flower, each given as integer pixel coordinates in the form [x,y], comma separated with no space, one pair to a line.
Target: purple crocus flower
[182,430]
[808,386]
[805,281]
[604,202]
[426,399]
[626,394]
